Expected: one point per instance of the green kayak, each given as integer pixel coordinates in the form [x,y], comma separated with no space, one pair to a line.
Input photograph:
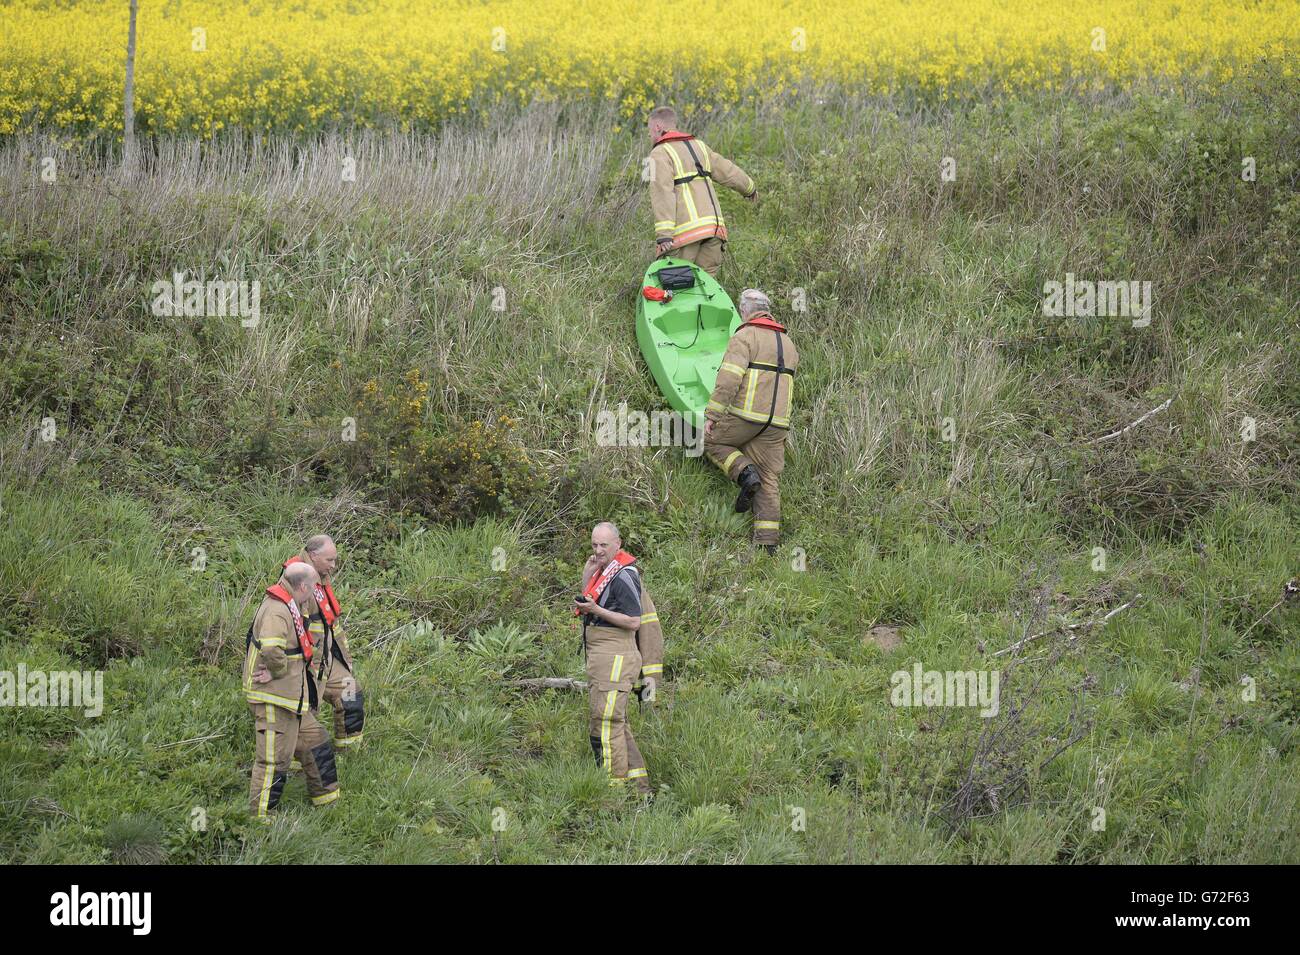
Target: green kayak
[683,340]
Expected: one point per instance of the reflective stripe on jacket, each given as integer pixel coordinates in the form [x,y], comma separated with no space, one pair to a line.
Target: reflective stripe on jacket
[650,638]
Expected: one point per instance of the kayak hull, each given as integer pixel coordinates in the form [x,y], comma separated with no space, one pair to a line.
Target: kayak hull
[683,340]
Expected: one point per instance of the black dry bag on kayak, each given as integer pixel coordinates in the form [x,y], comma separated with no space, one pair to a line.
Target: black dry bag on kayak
[676,277]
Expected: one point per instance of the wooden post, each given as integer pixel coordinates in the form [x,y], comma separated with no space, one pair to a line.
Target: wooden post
[128,114]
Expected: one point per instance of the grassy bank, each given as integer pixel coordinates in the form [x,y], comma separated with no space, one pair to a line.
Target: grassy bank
[190,455]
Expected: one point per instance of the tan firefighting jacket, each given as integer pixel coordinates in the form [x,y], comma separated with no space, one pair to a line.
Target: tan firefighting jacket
[281,654]
[682,196]
[748,376]
[650,639]
[340,639]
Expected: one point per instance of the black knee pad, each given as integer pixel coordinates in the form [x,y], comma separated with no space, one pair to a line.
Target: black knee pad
[354,714]
[324,756]
[596,748]
[277,787]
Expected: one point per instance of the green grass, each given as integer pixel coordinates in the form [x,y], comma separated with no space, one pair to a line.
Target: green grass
[923,304]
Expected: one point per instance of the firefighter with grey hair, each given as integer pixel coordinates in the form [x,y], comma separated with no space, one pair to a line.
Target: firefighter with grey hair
[281,694]
[749,413]
[337,670]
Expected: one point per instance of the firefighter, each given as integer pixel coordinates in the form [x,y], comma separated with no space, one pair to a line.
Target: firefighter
[341,689]
[281,694]
[749,414]
[610,607]
[688,220]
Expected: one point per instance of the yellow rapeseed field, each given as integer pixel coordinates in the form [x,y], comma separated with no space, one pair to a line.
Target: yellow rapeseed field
[205,65]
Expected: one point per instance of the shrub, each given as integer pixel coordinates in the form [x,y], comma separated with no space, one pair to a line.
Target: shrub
[469,471]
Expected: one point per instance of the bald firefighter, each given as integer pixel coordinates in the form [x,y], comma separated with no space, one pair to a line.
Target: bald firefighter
[688,220]
[611,611]
[281,694]
[749,414]
[340,687]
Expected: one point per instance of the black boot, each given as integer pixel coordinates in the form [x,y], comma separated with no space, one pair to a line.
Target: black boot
[770,548]
[749,485]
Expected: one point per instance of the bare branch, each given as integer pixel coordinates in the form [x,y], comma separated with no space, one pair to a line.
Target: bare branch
[1116,434]
[1074,626]
[1266,614]
[549,683]
[196,739]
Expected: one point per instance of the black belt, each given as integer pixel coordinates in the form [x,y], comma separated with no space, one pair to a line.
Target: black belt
[762,366]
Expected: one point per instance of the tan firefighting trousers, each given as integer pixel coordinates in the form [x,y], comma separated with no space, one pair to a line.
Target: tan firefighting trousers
[613,662]
[343,694]
[707,254]
[281,736]
[733,445]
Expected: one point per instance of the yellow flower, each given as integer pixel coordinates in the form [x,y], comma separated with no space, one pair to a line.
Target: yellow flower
[277,67]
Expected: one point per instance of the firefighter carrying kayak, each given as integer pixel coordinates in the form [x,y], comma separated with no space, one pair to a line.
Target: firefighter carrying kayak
[749,413]
[688,219]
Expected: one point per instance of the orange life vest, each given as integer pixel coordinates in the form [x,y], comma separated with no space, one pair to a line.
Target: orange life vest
[299,628]
[671,135]
[596,586]
[763,320]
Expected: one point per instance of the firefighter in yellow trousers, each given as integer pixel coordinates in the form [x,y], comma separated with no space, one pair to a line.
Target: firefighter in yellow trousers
[281,693]
[688,220]
[340,689]
[611,611]
[749,413]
